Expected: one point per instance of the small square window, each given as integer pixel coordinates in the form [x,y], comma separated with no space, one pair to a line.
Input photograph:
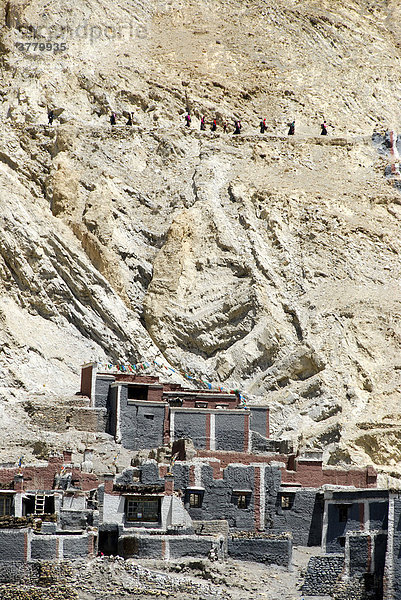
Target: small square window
[287,501]
[149,416]
[241,500]
[142,509]
[195,500]
[5,505]
[199,404]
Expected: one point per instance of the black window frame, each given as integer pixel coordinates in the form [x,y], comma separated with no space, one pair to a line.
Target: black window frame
[287,500]
[343,512]
[155,515]
[194,498]
[241,499]
[6,505]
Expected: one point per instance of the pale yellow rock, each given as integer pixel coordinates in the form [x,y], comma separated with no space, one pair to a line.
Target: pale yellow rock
[265,263]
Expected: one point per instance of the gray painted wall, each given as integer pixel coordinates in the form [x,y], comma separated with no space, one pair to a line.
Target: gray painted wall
[230,431]
[304,519]
[112,411]
[75,547]
[141,426]
[12,544]
[191,425]
[358,554]
[337,529]
[102,387]
[43,547]
[146,547]
[276,552]
[258,419]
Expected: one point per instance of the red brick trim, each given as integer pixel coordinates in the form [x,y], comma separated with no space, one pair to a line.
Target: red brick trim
[361,516]
[166,425]
[191,475]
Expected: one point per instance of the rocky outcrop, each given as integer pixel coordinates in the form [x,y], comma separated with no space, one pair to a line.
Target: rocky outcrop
[266,263]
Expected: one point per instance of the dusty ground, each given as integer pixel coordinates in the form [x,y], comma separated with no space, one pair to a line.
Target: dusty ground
[232,579]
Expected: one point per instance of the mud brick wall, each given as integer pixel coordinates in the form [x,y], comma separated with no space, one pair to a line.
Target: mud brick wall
[322,575]
[211,527]
[268,551]
[88,419]
[61,418]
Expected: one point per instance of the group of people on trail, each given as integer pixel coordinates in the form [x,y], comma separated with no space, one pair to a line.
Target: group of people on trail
[238,125]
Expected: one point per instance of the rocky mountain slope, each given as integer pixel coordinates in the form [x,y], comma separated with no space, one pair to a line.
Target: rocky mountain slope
[264,262]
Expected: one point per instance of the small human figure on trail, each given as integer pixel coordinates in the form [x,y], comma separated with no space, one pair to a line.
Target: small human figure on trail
[291,130]
[50,116]
[112,119]
[214,125]
[323,127]
[263,126]
[237,127]
[225,126]
[188,120]
[129,122]
[203,123]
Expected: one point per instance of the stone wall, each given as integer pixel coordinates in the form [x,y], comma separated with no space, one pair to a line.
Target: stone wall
[62,417]
[322,575]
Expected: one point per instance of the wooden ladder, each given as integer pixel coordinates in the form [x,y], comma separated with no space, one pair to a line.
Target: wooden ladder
[39,504]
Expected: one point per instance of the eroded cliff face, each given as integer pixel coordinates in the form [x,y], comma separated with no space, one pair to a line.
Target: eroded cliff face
[265,262]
